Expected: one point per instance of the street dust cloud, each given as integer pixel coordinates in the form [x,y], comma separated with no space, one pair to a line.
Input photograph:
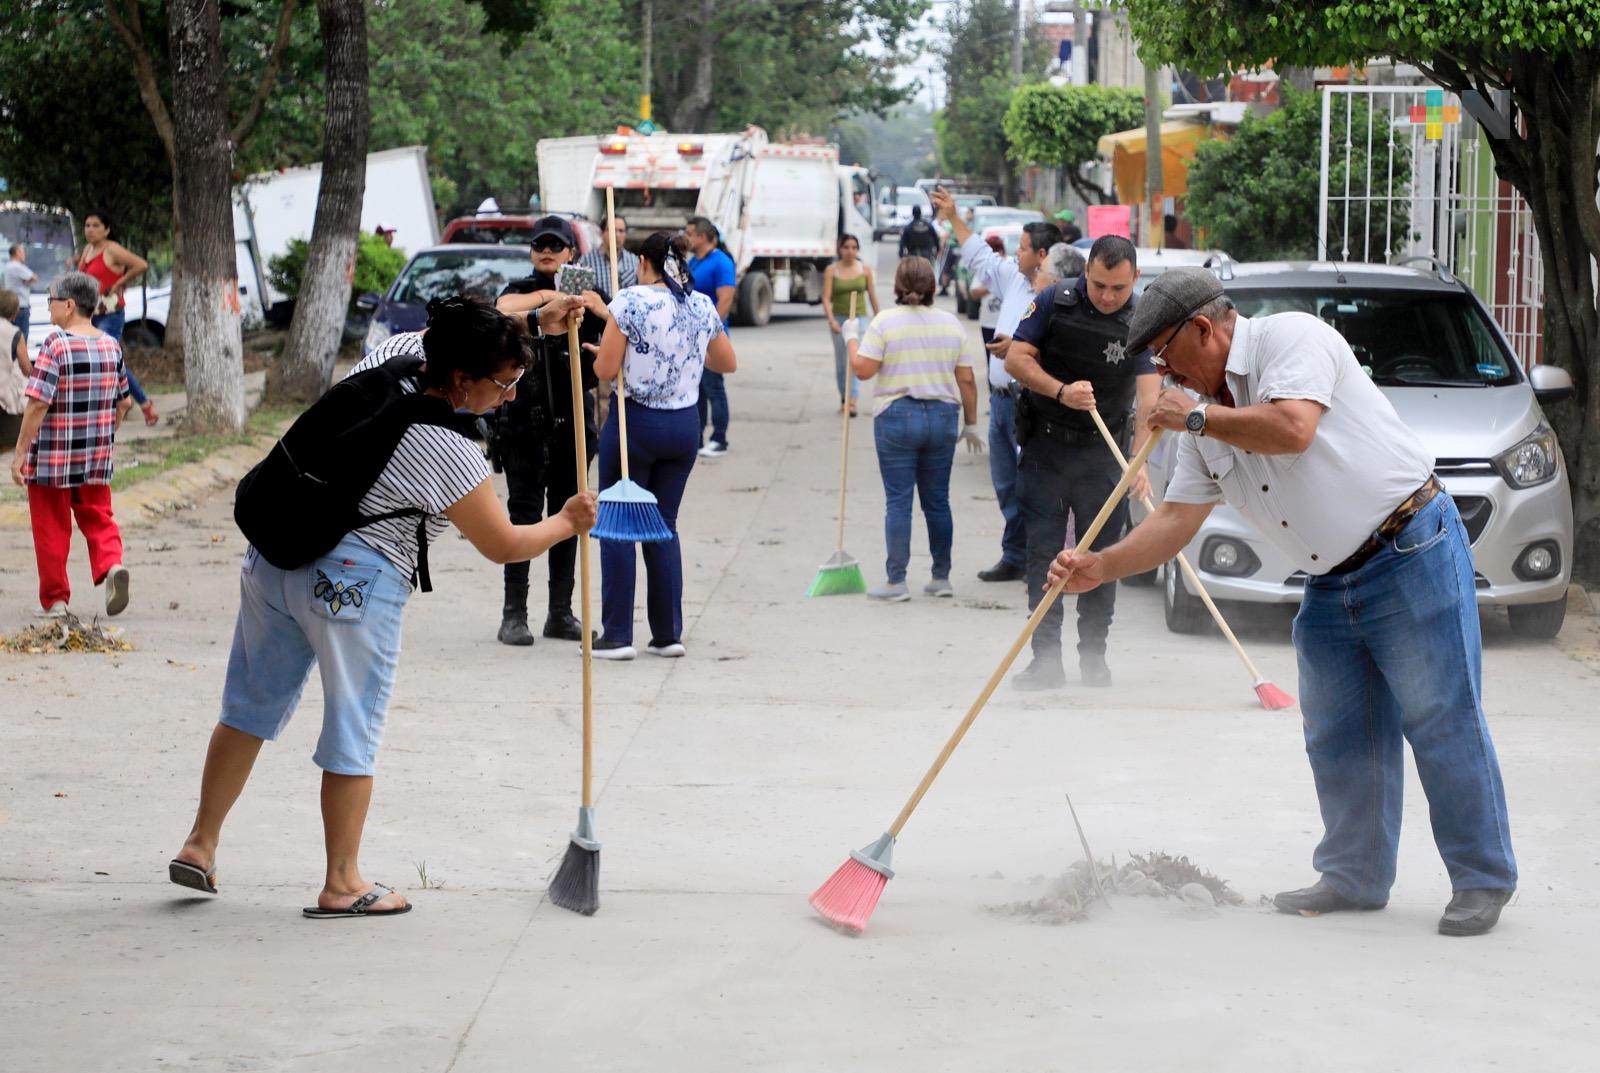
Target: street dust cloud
[1073,896]
[66,634]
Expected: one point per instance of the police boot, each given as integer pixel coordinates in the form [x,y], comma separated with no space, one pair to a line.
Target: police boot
[562,625]
[514,618]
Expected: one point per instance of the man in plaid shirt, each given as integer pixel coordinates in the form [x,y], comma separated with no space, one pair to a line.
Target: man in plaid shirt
[599,260]
[76,399]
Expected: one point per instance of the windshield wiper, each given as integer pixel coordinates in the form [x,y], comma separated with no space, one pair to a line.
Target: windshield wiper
[1392,381]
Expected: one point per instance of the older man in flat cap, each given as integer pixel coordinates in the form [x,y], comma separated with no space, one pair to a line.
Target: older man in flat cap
[1290,431]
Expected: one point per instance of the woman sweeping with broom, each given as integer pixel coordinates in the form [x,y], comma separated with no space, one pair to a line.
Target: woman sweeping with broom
[669,335]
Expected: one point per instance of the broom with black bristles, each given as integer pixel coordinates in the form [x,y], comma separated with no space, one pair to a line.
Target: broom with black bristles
[576,885]
[841,574]
[850,895]
[1271,697]
[627,511]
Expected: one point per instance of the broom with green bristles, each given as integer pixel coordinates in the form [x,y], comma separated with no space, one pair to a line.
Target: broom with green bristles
[627,511]
[576,885]
[850,895]
[841,574]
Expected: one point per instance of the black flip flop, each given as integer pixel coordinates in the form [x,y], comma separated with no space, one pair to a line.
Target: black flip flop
[192,876]
[361,907]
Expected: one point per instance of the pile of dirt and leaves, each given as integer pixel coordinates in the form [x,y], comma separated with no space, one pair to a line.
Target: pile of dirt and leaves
[1143,875]
[66,634]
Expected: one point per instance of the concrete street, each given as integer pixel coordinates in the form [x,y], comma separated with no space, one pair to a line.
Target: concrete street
[731,784]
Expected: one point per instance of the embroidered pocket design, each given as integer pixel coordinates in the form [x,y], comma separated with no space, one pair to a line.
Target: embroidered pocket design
[338,595]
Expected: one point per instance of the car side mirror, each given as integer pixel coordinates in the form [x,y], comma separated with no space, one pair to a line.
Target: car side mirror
[1551,384]
[367,303]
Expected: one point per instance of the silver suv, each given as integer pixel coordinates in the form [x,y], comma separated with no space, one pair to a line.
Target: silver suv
[1428,342]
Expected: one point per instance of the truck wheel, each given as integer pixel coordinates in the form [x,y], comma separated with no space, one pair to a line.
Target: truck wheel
[142,333]
[1538,620]
[753,303]
[1185,613]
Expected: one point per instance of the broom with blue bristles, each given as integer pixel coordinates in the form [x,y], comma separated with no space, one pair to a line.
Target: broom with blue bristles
[841,574]
[627,511]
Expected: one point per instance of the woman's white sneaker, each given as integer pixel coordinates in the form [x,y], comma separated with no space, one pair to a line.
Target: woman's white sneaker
[668,651]
[116,589]
[617,650]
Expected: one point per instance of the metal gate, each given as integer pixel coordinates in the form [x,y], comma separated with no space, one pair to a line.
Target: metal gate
[1443,200]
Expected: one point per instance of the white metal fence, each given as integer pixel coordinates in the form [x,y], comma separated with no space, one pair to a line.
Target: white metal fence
[1447,205]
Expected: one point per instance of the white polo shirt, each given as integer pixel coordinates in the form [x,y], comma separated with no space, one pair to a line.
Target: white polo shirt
[1001,277]
[1320,505]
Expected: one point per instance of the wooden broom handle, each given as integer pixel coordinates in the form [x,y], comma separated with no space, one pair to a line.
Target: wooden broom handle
[844,455]
[622,370]
[1188,571]
[1032,624]
[580,449]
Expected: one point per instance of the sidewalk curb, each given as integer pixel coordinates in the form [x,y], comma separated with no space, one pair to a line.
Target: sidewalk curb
[149,501]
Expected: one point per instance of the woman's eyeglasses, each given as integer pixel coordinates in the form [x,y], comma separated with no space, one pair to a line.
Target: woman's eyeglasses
[505,389]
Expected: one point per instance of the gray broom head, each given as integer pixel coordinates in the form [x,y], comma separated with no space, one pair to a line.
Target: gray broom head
[576,885]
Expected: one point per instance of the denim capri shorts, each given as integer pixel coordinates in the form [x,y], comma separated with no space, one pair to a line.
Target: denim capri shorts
[341,613]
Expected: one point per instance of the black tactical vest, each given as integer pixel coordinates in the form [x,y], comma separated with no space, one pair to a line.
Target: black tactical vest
[1084,344]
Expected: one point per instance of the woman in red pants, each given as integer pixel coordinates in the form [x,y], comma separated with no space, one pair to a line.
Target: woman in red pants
[76,399]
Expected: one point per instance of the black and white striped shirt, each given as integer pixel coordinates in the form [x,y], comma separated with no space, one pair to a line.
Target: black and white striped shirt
[431,469]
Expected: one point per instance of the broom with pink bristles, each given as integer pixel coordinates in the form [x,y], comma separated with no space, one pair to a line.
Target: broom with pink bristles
[850,895]
[1271,697]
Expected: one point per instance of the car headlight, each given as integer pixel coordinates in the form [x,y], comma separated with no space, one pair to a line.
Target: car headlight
[1534,461]
[377,332]
[1228,557]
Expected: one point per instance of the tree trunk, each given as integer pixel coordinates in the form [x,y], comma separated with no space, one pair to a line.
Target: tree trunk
[694,110]
[172,339]
[304,368]
[213,344]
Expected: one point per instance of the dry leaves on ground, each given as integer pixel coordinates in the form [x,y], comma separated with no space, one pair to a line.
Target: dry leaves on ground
[66,634]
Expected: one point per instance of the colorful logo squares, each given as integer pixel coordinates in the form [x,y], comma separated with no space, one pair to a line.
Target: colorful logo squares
[1432,114]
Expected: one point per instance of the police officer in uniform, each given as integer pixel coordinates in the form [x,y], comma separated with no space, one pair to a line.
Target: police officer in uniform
[1070,353]
[532,435]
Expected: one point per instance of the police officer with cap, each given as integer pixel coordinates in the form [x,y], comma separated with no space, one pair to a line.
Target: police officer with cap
[1294,435]
[532,435]
[1071,353]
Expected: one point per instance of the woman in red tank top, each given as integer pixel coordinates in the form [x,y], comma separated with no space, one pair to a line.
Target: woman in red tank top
[113,266]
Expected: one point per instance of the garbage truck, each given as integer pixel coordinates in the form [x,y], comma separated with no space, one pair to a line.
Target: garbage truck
[780,206]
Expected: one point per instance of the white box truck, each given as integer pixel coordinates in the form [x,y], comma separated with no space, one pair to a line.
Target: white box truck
[780,207]
[274,208]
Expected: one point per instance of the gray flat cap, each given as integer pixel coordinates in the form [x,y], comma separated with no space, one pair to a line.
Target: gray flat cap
[1171,297]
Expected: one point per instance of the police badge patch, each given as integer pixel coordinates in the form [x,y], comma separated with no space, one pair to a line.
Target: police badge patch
[1115,352]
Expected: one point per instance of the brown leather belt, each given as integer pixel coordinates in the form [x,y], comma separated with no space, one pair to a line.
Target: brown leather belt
[1390,527]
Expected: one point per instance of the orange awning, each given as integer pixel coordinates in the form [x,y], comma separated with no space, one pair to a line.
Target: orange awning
[1126,151]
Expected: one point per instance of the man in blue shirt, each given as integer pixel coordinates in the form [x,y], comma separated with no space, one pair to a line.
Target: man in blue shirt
[715,277]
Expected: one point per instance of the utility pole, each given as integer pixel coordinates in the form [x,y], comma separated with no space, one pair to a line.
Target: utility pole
[1080,43]
[647,34]
[1016,41]
[1152,153]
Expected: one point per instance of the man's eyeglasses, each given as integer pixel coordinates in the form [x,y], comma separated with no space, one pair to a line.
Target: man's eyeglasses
[58,298]
[549,244]
[1157,357]
[505,389]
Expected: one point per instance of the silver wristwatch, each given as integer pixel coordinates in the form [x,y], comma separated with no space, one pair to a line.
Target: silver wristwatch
[1195,422]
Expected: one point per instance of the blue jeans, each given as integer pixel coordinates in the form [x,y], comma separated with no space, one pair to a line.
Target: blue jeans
[341,613]
[841,360]
[713,406]
[661,452]
[916,441]
[1391,652]
[113,324]
[1003,456]
[22,318]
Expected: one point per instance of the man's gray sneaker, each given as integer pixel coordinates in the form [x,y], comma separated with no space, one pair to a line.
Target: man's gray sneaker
[1041,674]
[896,593]
[939,586]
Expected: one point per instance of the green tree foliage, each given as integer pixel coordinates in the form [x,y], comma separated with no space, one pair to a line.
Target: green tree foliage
[1255,194]
[789,66]
[978,85]
[1544,55]
[377,265]
[1061,126]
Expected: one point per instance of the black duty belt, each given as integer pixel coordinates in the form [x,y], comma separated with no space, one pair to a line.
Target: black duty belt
[1075,437]
[1391,526]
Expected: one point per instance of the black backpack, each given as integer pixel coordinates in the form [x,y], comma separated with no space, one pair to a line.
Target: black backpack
[304,497]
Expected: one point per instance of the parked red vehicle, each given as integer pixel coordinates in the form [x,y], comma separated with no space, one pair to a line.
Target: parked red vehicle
[501,230]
